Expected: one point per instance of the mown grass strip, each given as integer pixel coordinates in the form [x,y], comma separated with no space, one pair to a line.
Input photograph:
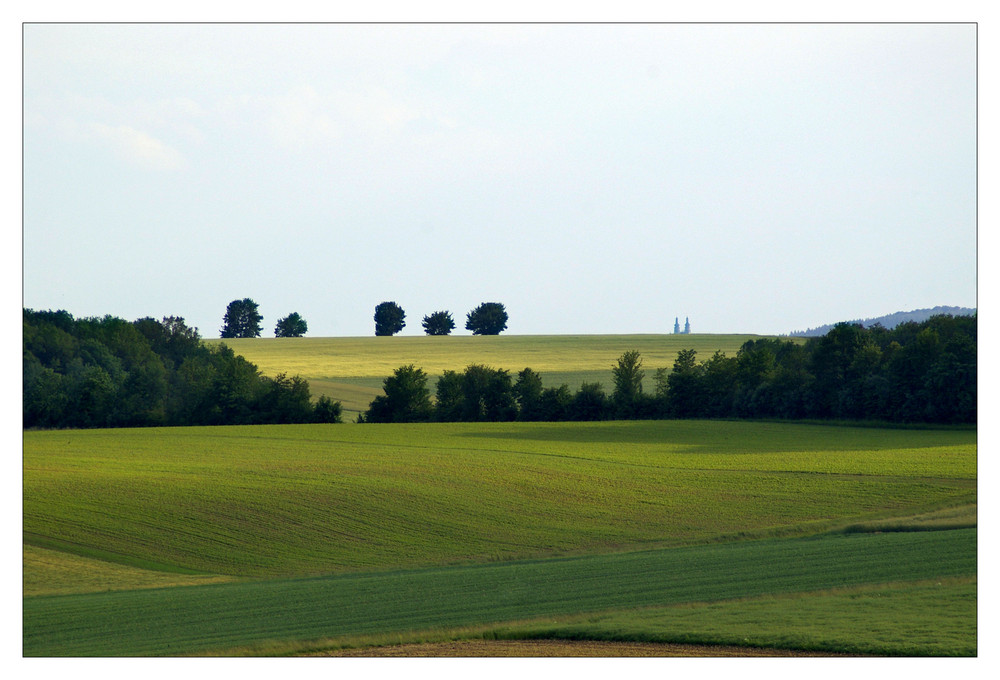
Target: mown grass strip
[922,618]
[202,618]
[910,619]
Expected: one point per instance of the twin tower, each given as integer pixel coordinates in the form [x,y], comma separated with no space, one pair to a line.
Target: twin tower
[677,327]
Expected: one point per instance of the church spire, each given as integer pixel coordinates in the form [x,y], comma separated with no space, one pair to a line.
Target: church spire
[687,326]
[677,326]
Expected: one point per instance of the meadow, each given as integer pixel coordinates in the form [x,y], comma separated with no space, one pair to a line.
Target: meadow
[351,370]
[295,538]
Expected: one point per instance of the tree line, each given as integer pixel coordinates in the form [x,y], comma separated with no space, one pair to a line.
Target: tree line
[108,372]
[917,372]
[243,320]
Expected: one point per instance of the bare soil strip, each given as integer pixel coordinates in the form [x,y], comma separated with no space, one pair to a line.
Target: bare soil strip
[560,648]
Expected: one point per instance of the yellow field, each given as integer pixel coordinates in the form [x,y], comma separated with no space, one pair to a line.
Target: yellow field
[351,370]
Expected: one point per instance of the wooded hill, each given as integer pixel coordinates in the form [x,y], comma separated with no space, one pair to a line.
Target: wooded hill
[108,372]
[890,321]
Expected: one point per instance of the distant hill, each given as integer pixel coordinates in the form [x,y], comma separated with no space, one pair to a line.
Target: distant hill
[893,320]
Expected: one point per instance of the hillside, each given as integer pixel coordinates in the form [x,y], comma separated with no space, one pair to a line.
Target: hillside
[351,370]
[890,321]
[267,539]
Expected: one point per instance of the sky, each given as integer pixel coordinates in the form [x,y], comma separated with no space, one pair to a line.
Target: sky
[594,178]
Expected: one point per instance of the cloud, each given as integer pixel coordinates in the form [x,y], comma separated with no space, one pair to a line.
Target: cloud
[137,147]
[301,119]
[304,117]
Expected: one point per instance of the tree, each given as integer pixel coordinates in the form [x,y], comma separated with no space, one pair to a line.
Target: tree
[448,397]
[389,318]
[480,393]
[489,318]
[589,403]
[555,403]
[406,398]
[241,320]
[528,394]
[628,376]
[439,323]
[326,410]
[488,394]
[684,385]
[291,326]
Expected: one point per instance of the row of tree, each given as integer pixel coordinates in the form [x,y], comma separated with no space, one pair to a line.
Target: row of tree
[242,320]
[914,373]
[489,318]
[108,372]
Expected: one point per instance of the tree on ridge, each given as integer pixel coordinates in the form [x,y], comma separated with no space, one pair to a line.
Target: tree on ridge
[241,320]
[489,318]
[389,318]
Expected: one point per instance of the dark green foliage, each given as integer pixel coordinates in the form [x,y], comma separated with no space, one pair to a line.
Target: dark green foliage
[555,403]
[528,395]
[489,318]
[627,375]
[487,394]
[479,393]
[285,400]
[684,385]
[327,410]
[448,397]
[241,320]
[590,403]
[291,326]
[439,323]
[406,398]
[389,318]
[108,372]
[914,373]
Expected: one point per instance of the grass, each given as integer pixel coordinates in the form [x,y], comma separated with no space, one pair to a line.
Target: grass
[289,538]
[264,615]
[351,370]
[928,618]
[55,572]
[272,501]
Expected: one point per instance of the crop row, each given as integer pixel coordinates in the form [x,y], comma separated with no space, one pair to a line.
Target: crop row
[294,500]
[202,618]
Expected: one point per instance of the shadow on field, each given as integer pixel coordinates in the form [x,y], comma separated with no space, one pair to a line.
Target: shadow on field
[723,436]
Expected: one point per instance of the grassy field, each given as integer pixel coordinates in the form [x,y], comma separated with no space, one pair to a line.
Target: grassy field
[316,499]
[280,613]
[276,539]
[351,370]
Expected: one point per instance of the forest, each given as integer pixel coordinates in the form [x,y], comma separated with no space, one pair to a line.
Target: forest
[108,372]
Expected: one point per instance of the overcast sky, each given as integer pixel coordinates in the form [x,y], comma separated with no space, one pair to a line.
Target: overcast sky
[593,178]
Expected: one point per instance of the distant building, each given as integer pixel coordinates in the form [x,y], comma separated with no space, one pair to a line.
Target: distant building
[677,326]
[687,326]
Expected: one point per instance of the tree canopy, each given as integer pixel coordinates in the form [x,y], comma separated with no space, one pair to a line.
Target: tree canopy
[438,323]
[108,372]
[291,326]
[489,318]
[241,320]
[406,398]
[628,375]
[389,318]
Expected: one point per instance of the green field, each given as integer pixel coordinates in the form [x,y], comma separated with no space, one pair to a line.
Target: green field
[279,539]
[351,370]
